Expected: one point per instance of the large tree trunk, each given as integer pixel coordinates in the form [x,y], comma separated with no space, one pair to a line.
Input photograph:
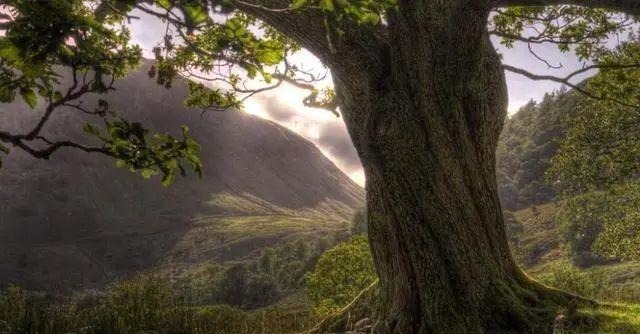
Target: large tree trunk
[426,126]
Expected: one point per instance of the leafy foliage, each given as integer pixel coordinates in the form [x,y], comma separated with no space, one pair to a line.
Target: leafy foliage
[143,304]
[277,273]
[45,40]
[131,145]
[575,29]
[527,144]
[604,222]
[340,275]
[595,155]
[360,11]
[45,34]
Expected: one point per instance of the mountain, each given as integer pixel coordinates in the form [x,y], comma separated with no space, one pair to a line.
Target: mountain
[78,221]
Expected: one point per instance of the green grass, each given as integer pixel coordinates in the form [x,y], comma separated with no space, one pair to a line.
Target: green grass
[242,238]
[143,304]
[611,319]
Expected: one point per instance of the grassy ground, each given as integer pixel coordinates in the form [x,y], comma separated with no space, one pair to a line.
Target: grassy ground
[537,245]
[149,304]
[611,319]
[242,238]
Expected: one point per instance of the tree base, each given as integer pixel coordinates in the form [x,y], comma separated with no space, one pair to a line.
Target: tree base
[355,318]
[517,308]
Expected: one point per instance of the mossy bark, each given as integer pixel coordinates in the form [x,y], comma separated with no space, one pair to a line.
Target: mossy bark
[426,129]
[424,100]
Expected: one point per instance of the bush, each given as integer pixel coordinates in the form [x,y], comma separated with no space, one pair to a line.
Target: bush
[602,225]
[603,283]
[340,275]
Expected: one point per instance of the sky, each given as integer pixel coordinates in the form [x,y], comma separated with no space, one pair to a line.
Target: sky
[284,105]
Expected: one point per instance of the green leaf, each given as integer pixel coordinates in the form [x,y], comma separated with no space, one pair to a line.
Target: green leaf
[195,14]
[9,52]
[4,149]
[166,4]
[327,5]
[296,4]
[370,18]
[7,94]
[29,96]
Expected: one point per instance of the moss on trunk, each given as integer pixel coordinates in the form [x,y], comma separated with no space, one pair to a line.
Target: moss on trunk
[426,129]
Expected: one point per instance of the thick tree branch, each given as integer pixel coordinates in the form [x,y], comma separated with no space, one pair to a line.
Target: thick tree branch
[631,7]
[50,148]
[305,26]
[308,26]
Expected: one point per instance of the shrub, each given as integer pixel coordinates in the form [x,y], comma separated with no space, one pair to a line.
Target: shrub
[340,275]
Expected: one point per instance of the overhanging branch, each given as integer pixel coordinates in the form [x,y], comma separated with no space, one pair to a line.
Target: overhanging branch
[567,80]
[631,7]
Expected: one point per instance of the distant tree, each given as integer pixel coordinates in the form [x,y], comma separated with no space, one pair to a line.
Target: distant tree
[359,222]
[268,261]
[261,290]
[419,84]
[232,287]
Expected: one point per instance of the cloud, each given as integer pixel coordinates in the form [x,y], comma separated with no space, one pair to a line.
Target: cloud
[334,139]
[279,110]
[327,132]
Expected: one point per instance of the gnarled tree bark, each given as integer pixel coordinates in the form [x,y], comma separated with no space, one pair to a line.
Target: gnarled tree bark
[424,105]
[426,126]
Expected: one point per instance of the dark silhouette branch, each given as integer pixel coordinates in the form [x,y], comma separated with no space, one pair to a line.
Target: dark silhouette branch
[567,81]
[78,89]
[51,146]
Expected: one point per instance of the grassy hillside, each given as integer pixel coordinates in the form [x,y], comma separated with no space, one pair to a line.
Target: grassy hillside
[537,244]
[77,221]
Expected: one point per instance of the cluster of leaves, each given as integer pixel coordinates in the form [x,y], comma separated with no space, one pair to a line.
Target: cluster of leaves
[363,12]
[45,40]
[222,52]
[603,224]
[340,275]
[45,34]
[596,155]
[131,145]
[585,31]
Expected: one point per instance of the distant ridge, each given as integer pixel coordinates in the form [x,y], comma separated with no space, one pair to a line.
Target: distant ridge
[78,220]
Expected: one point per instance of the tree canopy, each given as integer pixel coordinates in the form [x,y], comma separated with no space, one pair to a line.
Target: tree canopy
[418,84]
[233,50]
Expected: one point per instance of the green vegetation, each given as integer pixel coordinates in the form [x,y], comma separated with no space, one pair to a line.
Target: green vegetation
[276,274]
[153,304]
[527,144]
[144,304]
[41,37]
[424,146]
[603,224]
[340,275]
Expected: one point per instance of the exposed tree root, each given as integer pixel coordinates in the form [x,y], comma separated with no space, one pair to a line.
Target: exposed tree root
[522,307]
[353,318]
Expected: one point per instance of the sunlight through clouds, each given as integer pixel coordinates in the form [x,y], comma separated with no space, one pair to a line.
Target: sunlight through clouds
[328,132]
